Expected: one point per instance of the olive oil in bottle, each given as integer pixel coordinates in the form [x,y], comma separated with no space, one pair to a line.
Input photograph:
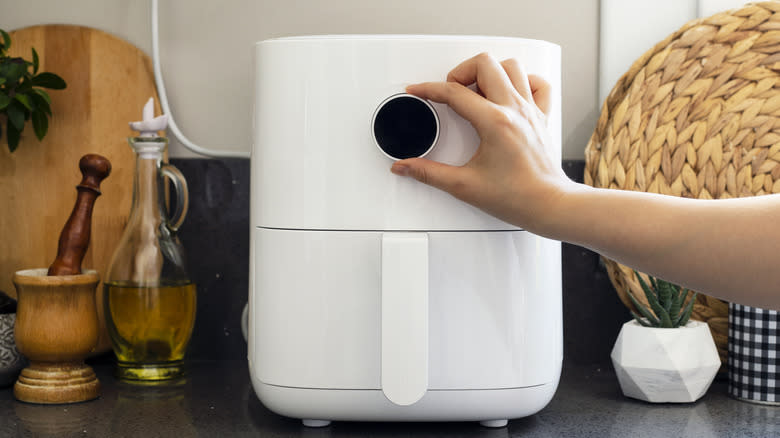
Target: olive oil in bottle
[150,327]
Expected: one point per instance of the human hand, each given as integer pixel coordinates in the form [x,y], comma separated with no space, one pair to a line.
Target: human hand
[511,175]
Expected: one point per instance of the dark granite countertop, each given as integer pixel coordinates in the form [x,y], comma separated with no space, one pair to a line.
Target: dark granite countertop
[216,400]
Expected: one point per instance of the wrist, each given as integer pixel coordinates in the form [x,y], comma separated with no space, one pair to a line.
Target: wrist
[558,214]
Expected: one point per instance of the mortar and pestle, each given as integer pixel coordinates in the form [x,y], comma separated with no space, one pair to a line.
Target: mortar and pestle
[56,317]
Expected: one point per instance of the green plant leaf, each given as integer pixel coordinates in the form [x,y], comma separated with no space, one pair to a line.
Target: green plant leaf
[34,61]
[665,295]
[653,282]
[41,101]
[48,80]
[4,101]
[641,321]
[643,310]
[2,81]
[682,301]
[40,124]
[24,87]
[652,299]
[666,320]
[43,94]
[15,116]
[686,315]
[13,136]
[677,302]
[24,100]
[6,41]
[12,69]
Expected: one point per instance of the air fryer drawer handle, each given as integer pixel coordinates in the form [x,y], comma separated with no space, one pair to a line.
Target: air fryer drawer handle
[404,317]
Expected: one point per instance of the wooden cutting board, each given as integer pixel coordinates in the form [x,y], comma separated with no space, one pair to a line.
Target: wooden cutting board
[109,80]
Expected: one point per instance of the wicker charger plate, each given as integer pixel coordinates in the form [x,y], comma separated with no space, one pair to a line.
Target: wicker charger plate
[696,116]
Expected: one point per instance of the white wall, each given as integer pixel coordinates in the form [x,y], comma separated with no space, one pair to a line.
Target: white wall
[630,28]
[207,54]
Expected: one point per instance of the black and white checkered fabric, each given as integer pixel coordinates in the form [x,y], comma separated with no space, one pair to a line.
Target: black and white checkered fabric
[754,362]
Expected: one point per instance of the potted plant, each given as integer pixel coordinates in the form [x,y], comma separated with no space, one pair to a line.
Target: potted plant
[11,361]
[661,355]
[21,94]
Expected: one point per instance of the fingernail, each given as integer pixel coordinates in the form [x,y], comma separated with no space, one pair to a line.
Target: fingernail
[400,169]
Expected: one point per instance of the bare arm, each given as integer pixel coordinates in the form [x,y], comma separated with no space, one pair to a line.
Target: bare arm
[724,248]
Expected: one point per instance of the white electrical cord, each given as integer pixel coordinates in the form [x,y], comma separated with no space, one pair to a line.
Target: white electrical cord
[158,80]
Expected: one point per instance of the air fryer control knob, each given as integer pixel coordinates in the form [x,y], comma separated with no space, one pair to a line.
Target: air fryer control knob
[405,126]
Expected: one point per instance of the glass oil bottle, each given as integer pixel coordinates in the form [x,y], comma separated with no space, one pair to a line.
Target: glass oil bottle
[149,298]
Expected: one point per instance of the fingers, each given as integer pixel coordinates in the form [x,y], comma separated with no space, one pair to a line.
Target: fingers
[518,77]
[489,76]
[502,82]
[531,87]
[541,91]
[463,101]
[441,176]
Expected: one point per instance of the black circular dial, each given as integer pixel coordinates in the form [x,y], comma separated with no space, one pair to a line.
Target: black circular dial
[405,126]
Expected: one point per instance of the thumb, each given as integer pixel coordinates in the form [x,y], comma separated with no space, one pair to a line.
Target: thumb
[441,176]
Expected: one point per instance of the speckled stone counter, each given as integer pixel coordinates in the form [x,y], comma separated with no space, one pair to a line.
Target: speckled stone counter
[216,400]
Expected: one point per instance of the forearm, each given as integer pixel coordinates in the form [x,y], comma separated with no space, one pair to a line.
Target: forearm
[724,248]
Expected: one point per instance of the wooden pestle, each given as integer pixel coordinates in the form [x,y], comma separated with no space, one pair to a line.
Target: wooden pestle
[74,238]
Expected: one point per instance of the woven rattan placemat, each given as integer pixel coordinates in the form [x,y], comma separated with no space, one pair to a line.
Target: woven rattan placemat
[696,116]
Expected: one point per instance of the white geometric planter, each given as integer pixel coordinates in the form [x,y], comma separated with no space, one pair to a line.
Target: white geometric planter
[662,365]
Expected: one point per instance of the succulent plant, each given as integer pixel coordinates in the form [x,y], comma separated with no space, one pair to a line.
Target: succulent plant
[665,301]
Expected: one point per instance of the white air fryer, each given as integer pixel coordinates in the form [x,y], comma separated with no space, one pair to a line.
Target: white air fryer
[374,297]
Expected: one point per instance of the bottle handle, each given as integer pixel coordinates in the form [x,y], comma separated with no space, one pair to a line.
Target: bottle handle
[182,195]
